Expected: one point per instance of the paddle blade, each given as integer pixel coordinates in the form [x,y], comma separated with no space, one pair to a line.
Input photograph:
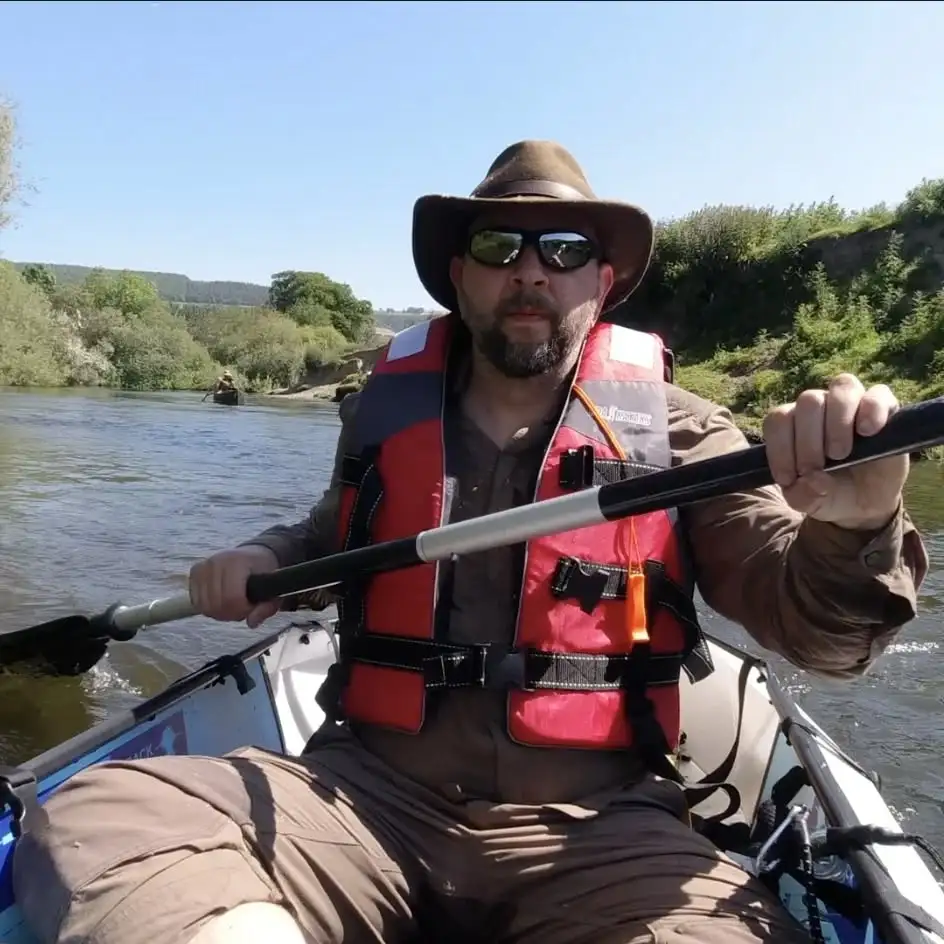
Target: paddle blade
[66,646]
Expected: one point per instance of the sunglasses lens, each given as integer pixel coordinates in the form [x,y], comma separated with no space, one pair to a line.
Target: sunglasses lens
[494,248]
[566,250]
[499,247]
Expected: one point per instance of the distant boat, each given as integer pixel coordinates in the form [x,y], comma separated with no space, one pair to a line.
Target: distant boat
[226,397]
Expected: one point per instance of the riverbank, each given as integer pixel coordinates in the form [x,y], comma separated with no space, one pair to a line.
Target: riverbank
[326,393]
[758,304]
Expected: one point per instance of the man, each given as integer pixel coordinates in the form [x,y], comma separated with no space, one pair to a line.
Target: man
[491,812]
[224,383]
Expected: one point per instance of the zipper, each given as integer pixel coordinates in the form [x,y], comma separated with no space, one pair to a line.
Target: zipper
[444,487]
[537,489]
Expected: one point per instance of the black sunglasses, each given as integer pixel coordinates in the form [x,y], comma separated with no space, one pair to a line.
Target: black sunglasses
[564,251]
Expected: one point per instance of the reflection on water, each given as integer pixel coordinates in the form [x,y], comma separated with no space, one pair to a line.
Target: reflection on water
[110,496]
[925,496]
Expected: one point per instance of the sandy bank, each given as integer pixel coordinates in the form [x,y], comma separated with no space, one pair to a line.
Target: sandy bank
[324,393]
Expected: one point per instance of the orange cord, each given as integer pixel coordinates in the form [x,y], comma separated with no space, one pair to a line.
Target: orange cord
[636,617]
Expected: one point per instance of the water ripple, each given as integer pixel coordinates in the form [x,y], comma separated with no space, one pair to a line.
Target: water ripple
[109,497]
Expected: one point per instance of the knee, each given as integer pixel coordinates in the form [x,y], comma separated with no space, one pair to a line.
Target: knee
[120,844]
[250,923]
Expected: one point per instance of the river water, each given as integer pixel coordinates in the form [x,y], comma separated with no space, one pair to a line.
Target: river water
[108,496]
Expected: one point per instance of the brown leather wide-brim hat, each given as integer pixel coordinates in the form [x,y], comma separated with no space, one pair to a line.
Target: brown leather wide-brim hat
[531,172]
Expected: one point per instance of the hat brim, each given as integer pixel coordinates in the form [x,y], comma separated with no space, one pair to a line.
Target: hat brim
[441,223]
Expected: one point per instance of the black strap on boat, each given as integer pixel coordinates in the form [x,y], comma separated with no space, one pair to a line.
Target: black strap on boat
[790,724]
[894,903]
[18,793]
[729,837]
[838,840]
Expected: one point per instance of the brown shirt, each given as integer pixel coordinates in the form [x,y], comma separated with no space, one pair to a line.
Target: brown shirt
[827,599]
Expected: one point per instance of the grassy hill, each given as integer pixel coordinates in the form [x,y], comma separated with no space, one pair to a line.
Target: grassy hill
[172,286]
[180,289]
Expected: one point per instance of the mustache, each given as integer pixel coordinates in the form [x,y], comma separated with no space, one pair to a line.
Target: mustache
[532,301]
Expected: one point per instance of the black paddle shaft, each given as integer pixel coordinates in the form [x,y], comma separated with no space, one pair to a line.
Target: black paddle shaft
[910,429]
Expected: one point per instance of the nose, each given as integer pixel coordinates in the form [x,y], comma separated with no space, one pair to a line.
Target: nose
[528,270]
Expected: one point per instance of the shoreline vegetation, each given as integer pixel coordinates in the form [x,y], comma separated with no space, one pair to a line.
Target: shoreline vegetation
[757,303]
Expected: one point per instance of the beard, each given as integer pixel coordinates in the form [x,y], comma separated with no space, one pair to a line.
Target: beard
[519,360]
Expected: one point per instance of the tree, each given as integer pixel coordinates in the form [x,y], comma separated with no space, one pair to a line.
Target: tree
[314,300]
[41,277]
[128,293]
[9,178]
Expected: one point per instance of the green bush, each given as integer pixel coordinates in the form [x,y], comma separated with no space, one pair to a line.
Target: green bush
[325,346]
[33,343]
[876,327]
[153,350]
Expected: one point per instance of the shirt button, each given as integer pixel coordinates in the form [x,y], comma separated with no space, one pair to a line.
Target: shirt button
[873,559]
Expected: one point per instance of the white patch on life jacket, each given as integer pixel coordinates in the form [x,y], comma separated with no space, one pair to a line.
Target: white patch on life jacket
[632,347]
[409,341]
[614,414]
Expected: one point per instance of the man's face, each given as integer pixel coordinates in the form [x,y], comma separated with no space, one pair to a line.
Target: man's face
[529,315]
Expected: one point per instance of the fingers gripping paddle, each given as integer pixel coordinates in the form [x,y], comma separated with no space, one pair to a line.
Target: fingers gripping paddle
[73,644]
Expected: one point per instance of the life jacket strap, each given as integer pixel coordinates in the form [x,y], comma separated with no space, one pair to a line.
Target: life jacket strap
[448,665]
[580,469]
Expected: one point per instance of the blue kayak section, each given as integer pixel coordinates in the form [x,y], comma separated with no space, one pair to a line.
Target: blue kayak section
[204,713]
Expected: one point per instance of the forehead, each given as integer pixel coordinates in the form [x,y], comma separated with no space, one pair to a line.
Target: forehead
[530,216]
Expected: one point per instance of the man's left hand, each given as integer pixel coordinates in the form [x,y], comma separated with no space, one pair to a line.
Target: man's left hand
[820,425]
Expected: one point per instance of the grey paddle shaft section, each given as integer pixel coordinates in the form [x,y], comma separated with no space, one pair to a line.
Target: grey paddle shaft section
[152,614]
[511,527]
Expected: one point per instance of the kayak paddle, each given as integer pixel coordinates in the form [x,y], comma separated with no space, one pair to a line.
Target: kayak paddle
[71,645]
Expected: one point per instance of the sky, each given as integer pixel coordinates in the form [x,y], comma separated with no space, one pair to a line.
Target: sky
[232,140]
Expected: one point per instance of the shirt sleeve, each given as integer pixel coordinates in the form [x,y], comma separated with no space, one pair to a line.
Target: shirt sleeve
[827,599]
[316,534]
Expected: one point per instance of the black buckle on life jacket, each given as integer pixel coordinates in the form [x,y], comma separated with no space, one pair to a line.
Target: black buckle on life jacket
[588,582]
[580,469]
[19,794]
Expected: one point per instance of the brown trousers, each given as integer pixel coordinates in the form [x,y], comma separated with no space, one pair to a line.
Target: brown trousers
[147,852]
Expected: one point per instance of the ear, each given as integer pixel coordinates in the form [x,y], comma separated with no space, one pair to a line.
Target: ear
[606,279]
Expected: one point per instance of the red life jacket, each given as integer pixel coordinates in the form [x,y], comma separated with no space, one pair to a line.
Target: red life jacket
[574,676]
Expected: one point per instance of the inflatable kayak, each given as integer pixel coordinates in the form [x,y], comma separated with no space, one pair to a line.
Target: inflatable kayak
[792,808]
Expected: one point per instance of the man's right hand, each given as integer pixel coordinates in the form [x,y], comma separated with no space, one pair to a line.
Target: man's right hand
[218,585]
